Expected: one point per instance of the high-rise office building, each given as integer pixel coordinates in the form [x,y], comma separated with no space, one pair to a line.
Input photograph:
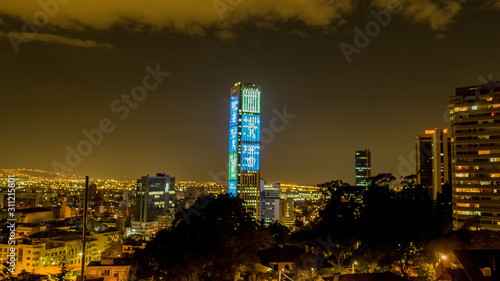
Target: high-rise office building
[287,217]
[152,201]
[270,203]
[475,132]
[244,146]
[363,167]
[433,161]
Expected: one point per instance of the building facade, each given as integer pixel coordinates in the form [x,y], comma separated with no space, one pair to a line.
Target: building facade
[363,167]
[244,146]
[270,203]
[287,217]
[152,201]
[475,132]
[43,253]
[110,269]
[433,160]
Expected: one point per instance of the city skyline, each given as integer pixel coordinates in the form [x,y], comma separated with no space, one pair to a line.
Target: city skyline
[326,95]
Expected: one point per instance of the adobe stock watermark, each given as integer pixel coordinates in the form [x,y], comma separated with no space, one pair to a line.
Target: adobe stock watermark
[332,3]
[277,124]
[362,38]
[121,106]
[223,6]
[408,165]
[48,10]
[11,223]
[200,204]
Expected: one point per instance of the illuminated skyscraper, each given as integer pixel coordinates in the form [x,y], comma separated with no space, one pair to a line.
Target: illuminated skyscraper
[244,146]
[363,167]
[475,121]
[433,160]
[270,200]
[152,202]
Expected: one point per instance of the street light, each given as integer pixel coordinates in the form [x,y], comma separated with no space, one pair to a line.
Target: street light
[353,264]
[443,258]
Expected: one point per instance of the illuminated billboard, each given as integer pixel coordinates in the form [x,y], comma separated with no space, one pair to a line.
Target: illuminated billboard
[232,188]
[251,100]
[250,157]
[234,111]
[233,166]
[250,128]
[233,139]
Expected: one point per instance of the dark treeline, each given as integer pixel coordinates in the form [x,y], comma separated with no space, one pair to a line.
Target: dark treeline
[377,228]
[365,229]
[211,240]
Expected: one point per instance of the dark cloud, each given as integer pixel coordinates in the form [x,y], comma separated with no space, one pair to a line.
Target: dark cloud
[44,37]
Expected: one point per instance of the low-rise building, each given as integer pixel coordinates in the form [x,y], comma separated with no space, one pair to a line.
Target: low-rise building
[469,265]
[110,269]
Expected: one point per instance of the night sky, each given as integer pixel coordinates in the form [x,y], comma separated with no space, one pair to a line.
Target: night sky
[66,76]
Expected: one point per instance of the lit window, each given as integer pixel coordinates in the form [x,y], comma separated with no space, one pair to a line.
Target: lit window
[480,152]
[495,175]
[463,205]
[461,175]
[471,190]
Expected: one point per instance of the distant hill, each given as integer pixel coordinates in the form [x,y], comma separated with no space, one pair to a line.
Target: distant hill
[33,174]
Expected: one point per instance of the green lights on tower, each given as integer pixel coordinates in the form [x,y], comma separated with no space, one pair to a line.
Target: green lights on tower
[233,166]
[251,101]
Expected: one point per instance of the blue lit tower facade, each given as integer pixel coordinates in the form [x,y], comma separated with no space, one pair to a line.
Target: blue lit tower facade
[244,146]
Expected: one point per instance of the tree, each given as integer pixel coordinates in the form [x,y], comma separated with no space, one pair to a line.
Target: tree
[211,241]
[280,233]
[5,273]
[484,239]
[298,224]
[409,181]
[426,265]
[372,259]
[405,256]
[444,209]
[383,179]
[380,232]
[65,269]
[114,249]
[339,217]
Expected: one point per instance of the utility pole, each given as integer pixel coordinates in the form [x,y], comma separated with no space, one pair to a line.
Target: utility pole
[279,271]
[84,225]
